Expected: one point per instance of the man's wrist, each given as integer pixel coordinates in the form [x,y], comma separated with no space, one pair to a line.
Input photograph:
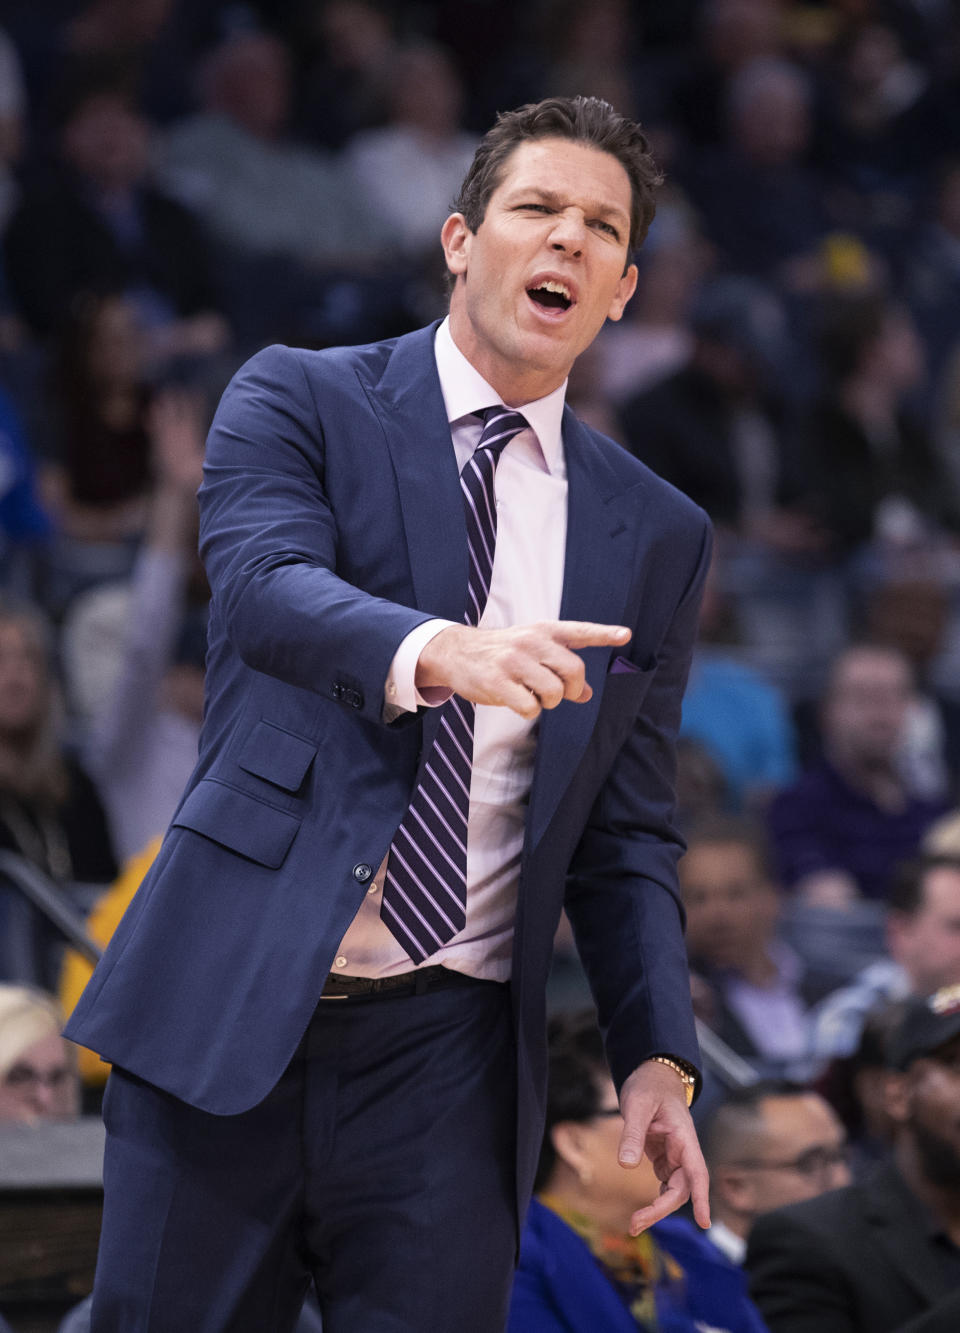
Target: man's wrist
[685,1072]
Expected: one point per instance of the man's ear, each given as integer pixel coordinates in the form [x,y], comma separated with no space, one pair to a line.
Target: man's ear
[455,237]
[625,289]
[567,1139]
[734,1188]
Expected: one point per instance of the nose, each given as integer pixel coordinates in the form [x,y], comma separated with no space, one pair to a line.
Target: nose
[840,1176]
[568,233]
[42,1098]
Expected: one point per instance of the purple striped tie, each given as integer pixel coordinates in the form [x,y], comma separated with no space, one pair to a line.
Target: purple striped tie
[425,891]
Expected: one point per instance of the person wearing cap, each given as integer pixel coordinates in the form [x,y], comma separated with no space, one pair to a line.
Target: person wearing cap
[882,1256]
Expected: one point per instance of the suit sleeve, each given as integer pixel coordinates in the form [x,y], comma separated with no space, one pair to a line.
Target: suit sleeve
[622,896]
[794,1280]
[268,537]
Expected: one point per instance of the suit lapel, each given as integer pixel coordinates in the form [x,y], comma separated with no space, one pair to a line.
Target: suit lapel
[408,401]
[598,568]
[895,1219]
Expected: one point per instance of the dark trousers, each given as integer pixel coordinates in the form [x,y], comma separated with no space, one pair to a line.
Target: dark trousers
[382,1163]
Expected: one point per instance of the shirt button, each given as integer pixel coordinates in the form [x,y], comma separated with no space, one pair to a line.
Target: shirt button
[373,887]
[391,689]
[340,961]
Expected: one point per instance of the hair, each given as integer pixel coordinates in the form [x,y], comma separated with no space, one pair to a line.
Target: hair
[577,1067]
[587,120]
[906,892]
[734,1125]
[31,765]
[716,829]
[26,1017]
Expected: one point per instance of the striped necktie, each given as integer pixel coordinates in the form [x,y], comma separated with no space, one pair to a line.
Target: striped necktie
[425,889]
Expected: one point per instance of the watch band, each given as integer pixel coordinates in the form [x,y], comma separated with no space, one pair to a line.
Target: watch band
[688,1075]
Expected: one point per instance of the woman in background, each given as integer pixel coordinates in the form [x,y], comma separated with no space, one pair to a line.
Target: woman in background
[580,1270]
[38,1078]
[50,813]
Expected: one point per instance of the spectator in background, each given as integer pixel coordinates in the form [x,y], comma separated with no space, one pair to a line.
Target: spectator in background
[348,48]
[856,1087]
[732,35]
[882,125]
[580,1270]
[886,483]
[97,225]
[97,474]
[50,813]
[739,716]
[38,1079]
[716,428]
[259,193]
[913,615]
[762,205]
[749,987]
[842,829]
[767,1145]
[142,744]
[410,169]
[923,940]
[882,1256]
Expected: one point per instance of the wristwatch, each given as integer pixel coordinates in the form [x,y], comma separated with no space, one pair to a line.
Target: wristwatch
[688,1075]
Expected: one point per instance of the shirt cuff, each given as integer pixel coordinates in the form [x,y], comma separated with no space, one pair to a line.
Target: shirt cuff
[400,693]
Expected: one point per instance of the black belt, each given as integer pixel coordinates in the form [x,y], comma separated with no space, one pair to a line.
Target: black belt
[339,987]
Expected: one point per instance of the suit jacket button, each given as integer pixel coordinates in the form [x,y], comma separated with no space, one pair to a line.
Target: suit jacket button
[354,698]
[362,872]
[336,689]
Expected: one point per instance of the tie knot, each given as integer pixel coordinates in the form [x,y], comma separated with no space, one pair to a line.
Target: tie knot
[500,425]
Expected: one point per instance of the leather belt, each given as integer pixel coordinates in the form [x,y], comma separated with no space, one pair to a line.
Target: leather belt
[339,987]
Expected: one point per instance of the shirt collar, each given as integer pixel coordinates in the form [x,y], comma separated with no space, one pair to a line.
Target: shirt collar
[465,391]
[728,1242]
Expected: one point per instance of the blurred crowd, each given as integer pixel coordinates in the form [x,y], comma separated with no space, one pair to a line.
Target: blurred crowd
[183,183]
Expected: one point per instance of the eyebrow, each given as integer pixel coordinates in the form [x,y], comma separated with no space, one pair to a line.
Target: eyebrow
[556,201]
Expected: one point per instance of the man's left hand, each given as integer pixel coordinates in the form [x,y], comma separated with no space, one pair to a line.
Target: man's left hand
[657,1124]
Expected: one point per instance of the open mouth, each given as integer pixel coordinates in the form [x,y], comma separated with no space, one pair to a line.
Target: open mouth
[551,296]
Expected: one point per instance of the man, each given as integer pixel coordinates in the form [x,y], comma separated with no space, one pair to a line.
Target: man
[750,987]
[923,940]
[882,1256]
[298,1094]
[768,1145]
[840,832]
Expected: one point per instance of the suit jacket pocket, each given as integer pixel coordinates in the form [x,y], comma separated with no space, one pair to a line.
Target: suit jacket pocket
[277,755]
[625,687]
[239,822]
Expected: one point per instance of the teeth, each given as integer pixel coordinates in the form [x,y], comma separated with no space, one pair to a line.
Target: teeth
[551,286]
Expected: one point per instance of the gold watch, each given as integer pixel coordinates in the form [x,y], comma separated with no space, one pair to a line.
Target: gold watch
[687,1073]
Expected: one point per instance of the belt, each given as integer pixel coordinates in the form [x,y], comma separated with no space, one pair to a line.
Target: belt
[339,987]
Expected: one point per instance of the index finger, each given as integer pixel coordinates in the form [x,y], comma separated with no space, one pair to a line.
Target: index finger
[587,634]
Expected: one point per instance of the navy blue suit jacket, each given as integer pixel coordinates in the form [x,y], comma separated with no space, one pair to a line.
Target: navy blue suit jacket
[331,525]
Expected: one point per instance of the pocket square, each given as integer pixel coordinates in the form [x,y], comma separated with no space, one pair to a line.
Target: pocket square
[622,666]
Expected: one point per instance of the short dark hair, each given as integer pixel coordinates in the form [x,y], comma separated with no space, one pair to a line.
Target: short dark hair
[741,830]
[738,1116]
[577,1066]
[587,120]
[906,891]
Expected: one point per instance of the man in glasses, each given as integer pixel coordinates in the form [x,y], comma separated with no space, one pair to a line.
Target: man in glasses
[882,1256]
[771,1144]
